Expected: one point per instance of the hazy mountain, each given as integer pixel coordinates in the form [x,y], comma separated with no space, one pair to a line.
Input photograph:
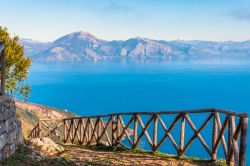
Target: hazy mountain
[32,46]
[82,46]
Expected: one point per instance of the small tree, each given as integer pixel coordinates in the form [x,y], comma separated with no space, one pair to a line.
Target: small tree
[17,64]
[25,91]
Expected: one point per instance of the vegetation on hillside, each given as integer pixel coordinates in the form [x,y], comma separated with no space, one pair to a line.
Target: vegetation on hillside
[25,91]
[17,64]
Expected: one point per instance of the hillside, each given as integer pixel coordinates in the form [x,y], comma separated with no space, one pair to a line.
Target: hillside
[44,151]
[30,113]
[82,46]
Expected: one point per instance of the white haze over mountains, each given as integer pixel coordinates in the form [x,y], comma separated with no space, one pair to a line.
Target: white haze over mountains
[82,46]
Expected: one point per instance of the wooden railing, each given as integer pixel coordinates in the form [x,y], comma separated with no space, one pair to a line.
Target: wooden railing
[2,55]
[48,128]
[35,132]
[131,129]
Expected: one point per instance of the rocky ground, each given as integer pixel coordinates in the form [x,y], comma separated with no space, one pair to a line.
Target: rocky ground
[30,155]
[44,152]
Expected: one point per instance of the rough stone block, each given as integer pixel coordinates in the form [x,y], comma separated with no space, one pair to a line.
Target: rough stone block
[6,152]
[11,137]
[2,141]
[10,127]
[2,128]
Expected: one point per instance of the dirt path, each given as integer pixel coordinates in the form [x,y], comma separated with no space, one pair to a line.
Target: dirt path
[29,155]
[82,156]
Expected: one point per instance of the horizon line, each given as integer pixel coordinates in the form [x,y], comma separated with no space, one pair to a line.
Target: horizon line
[139,37]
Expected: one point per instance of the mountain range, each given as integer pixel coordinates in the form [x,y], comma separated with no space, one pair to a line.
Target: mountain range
[82,46]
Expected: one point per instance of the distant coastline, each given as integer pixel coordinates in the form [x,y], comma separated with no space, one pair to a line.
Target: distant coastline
[82,46]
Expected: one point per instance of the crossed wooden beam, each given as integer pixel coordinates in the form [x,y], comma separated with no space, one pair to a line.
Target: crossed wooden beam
[93,129]
[114,131]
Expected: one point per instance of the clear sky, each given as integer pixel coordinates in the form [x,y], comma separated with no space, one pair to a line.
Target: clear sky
[46,20]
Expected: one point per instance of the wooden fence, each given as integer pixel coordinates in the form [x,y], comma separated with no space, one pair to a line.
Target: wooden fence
[2,55]
[129,129]
[48,128]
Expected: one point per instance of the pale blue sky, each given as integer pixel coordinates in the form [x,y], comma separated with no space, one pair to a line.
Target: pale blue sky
[46,20]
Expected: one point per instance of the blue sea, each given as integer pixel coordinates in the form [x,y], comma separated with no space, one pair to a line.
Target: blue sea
[100,88]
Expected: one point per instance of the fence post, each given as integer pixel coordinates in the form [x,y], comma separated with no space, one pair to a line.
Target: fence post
[155,132]
[214,137]
[89,130]
[135,130]
[99,131]
[118,127]
[65,131]
[113,131]
[80,130]
[39,128]
[230,139]
[182,135]
[243,142]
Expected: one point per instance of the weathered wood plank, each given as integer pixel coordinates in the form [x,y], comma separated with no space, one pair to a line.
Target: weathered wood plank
[214,137]
[33,133]
[124,131]
[85,135]
[105,130]
[211,110]
[222,130]
[224,144]
[118,127]
[144,131]
[155,133]
[76,130]
[81,131]
[167,134]
[238,129]
[92,132]
[243,142]
[68,130]
[94,129]
[197,134]
[135,130]
[233,151]
[113,130]
[54,129]
[64,131]
[182,134]
[230,140]
[72,131]
[99,130]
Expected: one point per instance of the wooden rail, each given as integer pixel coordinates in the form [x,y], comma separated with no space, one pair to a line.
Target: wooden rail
[35,132]
[2,55]
[131,129]
[49,128]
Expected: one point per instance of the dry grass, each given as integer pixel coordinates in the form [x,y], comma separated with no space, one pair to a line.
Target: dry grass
[30,113]
[102,155]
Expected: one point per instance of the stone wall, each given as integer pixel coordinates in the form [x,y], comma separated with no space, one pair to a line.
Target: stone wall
[10,127]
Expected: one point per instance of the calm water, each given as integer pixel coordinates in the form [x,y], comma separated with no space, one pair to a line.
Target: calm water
[98,88]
